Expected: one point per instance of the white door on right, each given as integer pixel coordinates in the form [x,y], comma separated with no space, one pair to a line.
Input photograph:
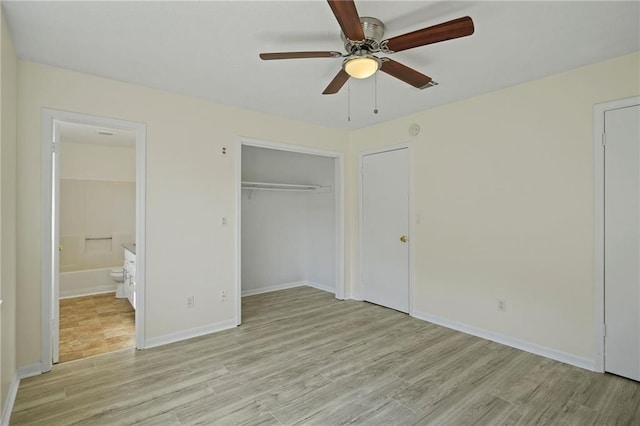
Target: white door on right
[622,241]
[385,228]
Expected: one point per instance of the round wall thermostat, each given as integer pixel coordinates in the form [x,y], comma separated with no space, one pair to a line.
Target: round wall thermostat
[414,129]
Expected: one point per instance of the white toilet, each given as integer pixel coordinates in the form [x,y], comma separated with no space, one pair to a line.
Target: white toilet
[118,276]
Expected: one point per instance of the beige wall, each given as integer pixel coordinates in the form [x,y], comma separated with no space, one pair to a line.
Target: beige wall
[504,185]
[8,99]
[190,186]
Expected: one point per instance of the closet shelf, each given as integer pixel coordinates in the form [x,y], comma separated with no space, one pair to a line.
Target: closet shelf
[266,186]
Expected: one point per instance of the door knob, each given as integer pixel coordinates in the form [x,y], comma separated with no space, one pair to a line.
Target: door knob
[403,238]
[60,248]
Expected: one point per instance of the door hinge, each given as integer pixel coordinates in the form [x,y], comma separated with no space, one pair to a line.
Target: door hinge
[604,330]
[604,139]
[53,146]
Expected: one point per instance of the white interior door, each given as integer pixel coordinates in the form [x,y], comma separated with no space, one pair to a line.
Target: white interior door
[622,242]
[55,245]
[385,228]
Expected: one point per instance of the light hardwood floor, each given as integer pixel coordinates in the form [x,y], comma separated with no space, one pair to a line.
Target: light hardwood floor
[302,357]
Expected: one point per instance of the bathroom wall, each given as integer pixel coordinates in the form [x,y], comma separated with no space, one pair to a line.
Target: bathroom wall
[97,205]
[98,162]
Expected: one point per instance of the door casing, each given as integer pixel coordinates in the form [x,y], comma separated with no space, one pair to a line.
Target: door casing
[49,117]
[599,205]
[340,290]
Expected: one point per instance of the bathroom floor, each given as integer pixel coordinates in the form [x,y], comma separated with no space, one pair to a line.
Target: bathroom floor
[92,325]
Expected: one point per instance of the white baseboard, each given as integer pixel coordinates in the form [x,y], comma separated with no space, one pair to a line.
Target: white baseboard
[322,287]
[189,334]
[577,361]
[269,289]
[252,292]
[10,400]
[29,370]
[21,373]
[88,291]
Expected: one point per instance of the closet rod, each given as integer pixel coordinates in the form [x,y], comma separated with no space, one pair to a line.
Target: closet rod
[280,186]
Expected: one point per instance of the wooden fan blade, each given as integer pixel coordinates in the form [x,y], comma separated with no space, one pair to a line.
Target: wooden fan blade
[460,27]
[336,84]
[299,55]
[404,73]
[347,16]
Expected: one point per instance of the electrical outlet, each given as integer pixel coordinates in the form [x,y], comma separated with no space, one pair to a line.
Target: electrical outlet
[502,305]
[225,150]
[224,221]
[191,302]
[223,296]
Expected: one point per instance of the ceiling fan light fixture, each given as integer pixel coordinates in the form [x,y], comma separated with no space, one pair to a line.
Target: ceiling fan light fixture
[361,66]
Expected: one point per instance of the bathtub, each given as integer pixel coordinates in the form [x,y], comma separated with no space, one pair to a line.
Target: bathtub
[86,282]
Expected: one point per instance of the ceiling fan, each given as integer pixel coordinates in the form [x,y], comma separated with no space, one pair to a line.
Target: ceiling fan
[362,37]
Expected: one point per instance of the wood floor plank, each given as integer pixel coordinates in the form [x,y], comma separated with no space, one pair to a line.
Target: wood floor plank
[350,404]
[485,410]
[164,419]
[303,357]
[264,419]
[458,392]
[389,412]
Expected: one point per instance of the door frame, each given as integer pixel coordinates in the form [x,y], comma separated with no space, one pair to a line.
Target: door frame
[359,293]
[49,117]
[598,219]
[339,210]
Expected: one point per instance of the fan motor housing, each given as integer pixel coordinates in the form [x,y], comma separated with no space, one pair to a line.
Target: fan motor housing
[373,32]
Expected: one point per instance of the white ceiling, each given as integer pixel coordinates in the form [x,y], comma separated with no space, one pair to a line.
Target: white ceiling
[210,49]
[87,134]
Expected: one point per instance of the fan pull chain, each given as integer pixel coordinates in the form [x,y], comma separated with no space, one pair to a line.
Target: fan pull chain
[375,93]
[349,101]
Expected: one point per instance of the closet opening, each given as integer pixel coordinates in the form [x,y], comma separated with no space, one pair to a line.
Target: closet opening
[290,220]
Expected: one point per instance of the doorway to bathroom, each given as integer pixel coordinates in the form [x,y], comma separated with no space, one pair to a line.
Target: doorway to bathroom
[93,277]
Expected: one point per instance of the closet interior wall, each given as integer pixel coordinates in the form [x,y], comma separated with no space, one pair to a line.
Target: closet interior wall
[288,237]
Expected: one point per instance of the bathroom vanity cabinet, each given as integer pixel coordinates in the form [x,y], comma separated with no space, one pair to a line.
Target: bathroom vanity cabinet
[130,276]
